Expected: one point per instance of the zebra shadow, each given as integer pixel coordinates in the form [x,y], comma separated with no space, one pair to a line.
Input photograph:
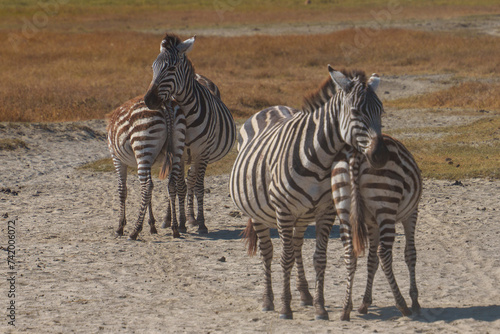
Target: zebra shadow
[237,234]
[447,314]
[311,232]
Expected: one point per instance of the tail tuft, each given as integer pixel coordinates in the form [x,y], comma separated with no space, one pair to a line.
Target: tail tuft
[250,238]
[167,166]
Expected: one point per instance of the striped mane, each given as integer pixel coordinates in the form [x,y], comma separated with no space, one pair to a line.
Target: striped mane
[327,90]
[169,44]
[170,40]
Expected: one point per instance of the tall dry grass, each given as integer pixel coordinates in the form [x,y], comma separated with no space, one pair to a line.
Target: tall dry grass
[60,76]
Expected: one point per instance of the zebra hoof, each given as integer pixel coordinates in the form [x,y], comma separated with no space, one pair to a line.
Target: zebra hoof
[363,309]
[405,311]
[153,230]
[345,316]
[183,229]
[203,230]
[415,307]
[176,234]
[286,316]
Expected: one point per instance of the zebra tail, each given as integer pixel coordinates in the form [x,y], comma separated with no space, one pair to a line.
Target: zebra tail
[356,216]
[167,166]
[250,238]
[358,226]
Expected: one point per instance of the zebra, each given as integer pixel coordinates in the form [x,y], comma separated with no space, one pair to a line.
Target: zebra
[210,132]
[134,119]
[281,176]
[375,199]
[181,188]
[138,137]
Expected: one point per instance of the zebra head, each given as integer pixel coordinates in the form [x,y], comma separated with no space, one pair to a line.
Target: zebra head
[168,71]
[359,117]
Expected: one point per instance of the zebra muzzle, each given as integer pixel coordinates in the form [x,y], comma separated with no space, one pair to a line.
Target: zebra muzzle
[378,155]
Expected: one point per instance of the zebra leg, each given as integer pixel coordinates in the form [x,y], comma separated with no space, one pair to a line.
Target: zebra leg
[121,170]
[323,228]
[181,195]
[286,223]
[266,253]
[372,266]
[200,193]
[350,262]
[191,179]
[172,193]
[387,235]
[302,285]
[167,221]
[151,221]
[146,191]
[411,257]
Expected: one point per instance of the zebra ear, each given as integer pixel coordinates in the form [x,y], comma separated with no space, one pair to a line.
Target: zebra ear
[187,45]
[374,81]
[340,80]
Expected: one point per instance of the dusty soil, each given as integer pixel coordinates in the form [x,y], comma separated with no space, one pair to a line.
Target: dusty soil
[74,275]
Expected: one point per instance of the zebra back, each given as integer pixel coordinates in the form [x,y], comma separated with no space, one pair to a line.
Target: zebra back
[138,136]
[394,189]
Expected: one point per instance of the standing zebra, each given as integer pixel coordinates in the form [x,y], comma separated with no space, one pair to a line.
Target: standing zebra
[380,197]
[137,137]
[281,176]
[210,132]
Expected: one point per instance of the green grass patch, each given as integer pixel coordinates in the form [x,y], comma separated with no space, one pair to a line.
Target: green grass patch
[457,152]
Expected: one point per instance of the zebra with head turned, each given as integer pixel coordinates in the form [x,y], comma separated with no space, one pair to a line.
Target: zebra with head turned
[375,199]
[135,122]
[137,137]
[281,176]
[210,132]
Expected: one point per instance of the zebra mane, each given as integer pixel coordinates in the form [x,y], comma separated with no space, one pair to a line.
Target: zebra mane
[328,89]
[170,40]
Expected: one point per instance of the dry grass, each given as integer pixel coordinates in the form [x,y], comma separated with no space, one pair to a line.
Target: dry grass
[77,15]
[457,152]
[10,144]
[77,76]
[469,95]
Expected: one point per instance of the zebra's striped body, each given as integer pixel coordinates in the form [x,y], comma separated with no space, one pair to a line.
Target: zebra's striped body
[138,137]
[210,132]
[379,198]
[281,177]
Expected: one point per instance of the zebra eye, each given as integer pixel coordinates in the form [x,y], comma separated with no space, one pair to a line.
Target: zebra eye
[355,112]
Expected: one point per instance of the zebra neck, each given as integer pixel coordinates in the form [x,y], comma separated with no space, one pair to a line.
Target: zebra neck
[329,137]
[186,93]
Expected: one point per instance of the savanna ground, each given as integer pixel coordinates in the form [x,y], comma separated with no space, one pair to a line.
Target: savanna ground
[65,64]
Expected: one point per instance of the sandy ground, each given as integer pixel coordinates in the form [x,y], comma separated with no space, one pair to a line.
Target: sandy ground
[73,275]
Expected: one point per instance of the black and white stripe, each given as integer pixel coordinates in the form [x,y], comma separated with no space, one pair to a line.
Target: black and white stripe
[378,198]
[138,137]
[281,177]
[210,132]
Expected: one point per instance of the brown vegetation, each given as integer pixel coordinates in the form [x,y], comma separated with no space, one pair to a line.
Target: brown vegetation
[76,76]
